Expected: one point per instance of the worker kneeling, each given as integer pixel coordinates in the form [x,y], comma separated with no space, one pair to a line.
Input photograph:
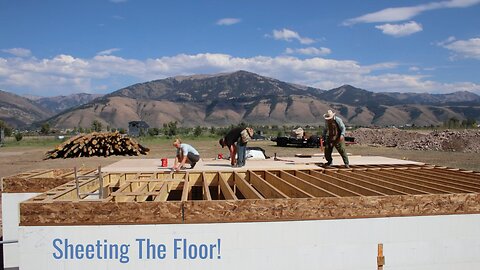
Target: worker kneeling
[185,154]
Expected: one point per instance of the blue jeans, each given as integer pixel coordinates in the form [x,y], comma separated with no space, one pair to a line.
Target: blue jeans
[241,152]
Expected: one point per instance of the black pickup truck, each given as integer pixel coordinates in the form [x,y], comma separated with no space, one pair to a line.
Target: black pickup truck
[312,141]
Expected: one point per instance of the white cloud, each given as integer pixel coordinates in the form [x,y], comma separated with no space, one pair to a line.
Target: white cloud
[400,30]
[407,13]
[109,51]
[289,35]
[414,69]
[228,21]
[309,51]
[65,74]
[446,41]
[19,52]
[463,48]
[118,1]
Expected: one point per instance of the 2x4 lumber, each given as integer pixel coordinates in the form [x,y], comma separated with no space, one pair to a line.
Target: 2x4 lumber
[450,179]
[146,187]
[114,179]
[43,173]
[206,190]
[225,188]
[186,189]
[408,182]
[425,182]
[284,186]
[195,179]
[304,185]
[452,186]
[85,186]
[365,191]
[162,193]
[324,187]
[470,178]
[353,178]
[366,176]
[321,179]
[153,180]
[245,188]
[267,190]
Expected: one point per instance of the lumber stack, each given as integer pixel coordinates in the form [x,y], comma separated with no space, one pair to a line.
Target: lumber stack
[97,144]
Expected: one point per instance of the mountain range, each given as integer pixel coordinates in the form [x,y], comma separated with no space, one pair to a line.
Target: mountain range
[22,111]
[231,98]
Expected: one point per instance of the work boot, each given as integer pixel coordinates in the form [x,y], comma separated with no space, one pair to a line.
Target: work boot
[328,164]
[347,166]
[193,165]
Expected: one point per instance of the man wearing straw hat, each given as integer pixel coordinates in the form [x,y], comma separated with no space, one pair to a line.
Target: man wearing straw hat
[334,136]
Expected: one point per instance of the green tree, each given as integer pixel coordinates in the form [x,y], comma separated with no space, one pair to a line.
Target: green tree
[96,126]
[197,131]
[18,136]
[212,130]
[452,123]
[170,129]
[45,129]
[153,131]
[7,130]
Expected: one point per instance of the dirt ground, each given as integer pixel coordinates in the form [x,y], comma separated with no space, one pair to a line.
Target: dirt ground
[18,159]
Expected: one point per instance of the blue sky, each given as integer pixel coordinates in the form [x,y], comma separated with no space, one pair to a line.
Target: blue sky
[59,47]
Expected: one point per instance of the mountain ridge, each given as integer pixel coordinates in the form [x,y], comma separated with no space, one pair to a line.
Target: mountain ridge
[241,96]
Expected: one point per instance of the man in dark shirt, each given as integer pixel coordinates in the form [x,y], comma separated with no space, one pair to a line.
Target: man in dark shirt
[230,140]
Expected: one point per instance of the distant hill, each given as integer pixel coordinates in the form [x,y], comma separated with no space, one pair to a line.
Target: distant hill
[240,86]
[435,99]
[230,98]
[61,103]
[18,111]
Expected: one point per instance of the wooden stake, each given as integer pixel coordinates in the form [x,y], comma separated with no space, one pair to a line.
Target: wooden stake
[380,257]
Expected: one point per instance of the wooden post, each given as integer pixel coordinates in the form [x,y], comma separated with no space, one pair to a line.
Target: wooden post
[380,257]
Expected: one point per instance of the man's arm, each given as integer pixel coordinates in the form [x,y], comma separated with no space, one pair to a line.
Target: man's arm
[342,128]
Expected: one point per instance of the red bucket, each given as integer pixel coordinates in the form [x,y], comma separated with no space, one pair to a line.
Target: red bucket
[164,162]
[220,156]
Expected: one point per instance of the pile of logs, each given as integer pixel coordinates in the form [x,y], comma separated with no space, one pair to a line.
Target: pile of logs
[97,144]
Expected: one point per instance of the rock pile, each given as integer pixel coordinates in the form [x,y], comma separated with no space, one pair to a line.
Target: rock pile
[451,141]
[390,137]
[467,141]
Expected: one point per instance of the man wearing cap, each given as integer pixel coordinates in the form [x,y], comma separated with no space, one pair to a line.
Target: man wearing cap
[334,136]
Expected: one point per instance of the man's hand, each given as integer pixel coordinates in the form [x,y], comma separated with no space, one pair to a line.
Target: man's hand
[342,138]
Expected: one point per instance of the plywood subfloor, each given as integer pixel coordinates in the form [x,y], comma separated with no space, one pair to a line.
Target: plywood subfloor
[291,163]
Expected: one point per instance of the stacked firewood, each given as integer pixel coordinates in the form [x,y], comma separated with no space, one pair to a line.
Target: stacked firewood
[97,144]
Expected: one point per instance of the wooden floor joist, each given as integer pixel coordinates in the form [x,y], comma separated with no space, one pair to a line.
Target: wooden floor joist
[262,195]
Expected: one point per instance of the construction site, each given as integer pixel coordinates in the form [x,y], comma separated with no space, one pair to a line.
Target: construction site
[279,213]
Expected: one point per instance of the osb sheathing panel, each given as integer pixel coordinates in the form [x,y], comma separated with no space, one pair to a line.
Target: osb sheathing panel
[89,213]
[330,208]
[96,213]
[39,181]
[31,185]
